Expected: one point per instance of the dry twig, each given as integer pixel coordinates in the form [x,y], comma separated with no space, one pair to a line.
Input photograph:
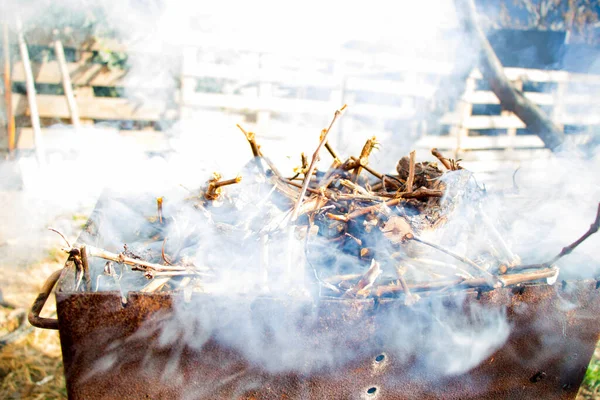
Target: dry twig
[411,173]
[566,250]
[445,162]
[454,255]
[417,194]
[159,209]
[409,298]
[313,163]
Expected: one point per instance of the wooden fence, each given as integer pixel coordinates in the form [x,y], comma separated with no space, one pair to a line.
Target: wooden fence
[97,91]
[273,86]
[487,137]
[261,87]
[266,87]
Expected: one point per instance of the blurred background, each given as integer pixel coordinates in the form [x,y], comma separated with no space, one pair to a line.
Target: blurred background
[138,94]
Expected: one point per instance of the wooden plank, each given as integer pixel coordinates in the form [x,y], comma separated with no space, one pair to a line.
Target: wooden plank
[193,68]
[7,130]
[543,99]
[579,99]
[263,117]
[464,110]
[383,112]
[67,83]
[491,142]
[400,62]
[338,93]
[297,106]
[558,109]
[493,122]
[538,75]
[503,155]
[511,121]
[84,92]
[82,74]
[535,75]
[488,97]
[403,63]
[86,74]
[591,117]
[481,142]
[217,100]
[441,142]
[108,108]
[505,122]
[218,43]
[450,118]
[399,88]
[512,132]
[31,96]
[148,140]
[384,60]
[135,45]
[4,140]
[491,167]
[240,73]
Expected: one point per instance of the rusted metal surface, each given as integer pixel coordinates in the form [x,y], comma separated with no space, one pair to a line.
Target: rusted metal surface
[116,351]
[34,314]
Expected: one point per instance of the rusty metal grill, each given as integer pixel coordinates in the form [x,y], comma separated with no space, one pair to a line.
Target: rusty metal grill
[553,335]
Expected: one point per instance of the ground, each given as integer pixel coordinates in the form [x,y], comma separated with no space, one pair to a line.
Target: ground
[31,367]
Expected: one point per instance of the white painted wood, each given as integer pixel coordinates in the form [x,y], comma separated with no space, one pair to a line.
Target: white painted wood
[31,96]
[481,142]
[488,97]
[149,140]
[538,75]
[67,85]
[108,108]
[294,106]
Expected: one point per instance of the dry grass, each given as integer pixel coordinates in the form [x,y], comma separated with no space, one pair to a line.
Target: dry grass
[30,368]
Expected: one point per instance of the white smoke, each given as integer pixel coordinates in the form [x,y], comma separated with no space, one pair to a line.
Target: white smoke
[555,204]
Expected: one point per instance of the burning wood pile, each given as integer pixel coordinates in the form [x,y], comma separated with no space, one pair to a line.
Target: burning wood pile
[347,231]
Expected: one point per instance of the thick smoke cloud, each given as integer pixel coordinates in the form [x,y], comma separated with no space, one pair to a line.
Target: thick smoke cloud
[554,204]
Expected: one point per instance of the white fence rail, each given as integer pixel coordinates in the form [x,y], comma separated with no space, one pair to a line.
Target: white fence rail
[478,139]
[270,84]
[379,88]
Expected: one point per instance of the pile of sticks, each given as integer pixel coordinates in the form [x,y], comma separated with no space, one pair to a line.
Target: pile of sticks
[349,210]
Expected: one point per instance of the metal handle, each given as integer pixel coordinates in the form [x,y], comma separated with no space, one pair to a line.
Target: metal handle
[34,314]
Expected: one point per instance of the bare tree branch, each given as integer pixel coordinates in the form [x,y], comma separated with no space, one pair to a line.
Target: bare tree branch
[510,98]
